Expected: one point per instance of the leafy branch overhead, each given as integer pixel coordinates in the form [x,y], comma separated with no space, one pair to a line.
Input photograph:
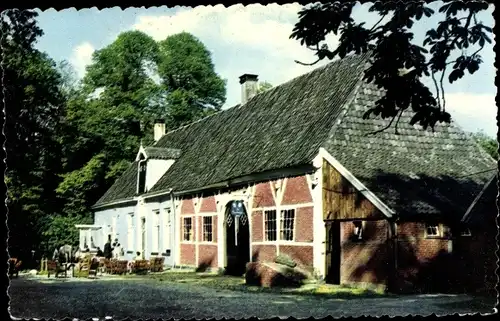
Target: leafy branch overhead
[450,49]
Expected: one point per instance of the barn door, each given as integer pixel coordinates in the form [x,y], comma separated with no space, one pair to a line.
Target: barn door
[333,252]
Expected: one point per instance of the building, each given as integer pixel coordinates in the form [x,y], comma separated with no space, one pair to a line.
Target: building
[293,171]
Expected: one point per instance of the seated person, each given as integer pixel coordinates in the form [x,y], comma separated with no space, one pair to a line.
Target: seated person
[99,252]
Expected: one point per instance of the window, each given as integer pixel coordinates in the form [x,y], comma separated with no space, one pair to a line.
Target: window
[207,228]
[187,226]
[270,225]
[166,234]
[142,177]
[465,232]
[156,231]
[286,226]
[130,231]
[358,230]
[432,230]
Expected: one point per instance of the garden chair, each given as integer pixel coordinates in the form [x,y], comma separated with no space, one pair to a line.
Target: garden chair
[14,266]
[121,267]
[141,266]
[56,268]
[93,267]
[156,264]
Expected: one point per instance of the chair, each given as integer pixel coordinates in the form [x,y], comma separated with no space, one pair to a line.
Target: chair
[93,267]
[156,264]
[121,267]
[140,266]
[56,268]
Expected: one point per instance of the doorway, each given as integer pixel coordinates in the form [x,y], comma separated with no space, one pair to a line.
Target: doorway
[333,252]
[237,238]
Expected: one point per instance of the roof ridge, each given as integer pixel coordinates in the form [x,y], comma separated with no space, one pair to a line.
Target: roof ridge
[315,70]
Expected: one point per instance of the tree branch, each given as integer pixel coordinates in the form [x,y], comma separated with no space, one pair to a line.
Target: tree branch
[307,64]
[382,129]
[437,89]
[397,122]
[442,88]
[375,25]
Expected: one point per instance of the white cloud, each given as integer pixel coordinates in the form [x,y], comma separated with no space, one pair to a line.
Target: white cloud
[473,112]
[81,57]
[257,36]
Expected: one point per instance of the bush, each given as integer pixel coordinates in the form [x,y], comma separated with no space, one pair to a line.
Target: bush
[285,260]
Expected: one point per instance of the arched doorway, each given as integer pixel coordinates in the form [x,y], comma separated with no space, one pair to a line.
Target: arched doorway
[237,232]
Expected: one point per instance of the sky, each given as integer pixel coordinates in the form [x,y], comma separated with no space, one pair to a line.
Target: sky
[250,39]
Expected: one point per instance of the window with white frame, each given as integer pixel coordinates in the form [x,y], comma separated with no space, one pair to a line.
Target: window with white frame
[358,230]
[207,229]
[130,231]
[287,221]
[187,229]
[432,230]
[166,235]
[465,232]
[270,225]
[156,231]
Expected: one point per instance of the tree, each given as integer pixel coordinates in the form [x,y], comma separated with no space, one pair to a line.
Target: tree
[264,86]
[398,64]
[489,144]
[187,73]
[33,107]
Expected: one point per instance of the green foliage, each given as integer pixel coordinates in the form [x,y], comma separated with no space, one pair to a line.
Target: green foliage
[187,73]
[69,140]
[60,230]
[264,86]
[490,145]
[398,63]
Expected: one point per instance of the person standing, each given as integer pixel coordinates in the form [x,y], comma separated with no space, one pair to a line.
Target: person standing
[108,250]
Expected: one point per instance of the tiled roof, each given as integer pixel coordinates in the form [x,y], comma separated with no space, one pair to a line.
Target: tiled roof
[416,172]
[162,153]
[124,188]
[484,206]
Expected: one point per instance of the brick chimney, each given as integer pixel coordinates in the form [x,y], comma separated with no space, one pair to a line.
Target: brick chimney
[159,129]
[248,87]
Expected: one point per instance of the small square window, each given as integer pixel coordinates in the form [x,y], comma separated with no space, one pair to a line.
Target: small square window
[358,230]
[465,232]
[432,230]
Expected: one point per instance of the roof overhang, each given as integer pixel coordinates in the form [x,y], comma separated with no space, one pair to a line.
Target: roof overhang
[323,153]
[120,202]
[88,226]
[478,197]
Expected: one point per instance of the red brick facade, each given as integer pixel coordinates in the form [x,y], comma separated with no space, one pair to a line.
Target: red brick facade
[364,260]
[294,193]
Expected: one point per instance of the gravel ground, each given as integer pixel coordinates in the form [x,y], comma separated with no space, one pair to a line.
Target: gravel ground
[150,299]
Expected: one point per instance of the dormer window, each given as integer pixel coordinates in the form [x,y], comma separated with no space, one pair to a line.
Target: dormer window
[142,177]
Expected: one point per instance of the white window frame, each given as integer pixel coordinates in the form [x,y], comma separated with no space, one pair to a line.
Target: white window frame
[155,242]
[130,232]
[282,224]
[191,234]
[438,227]
[276,220]
[465,232]
[205,232]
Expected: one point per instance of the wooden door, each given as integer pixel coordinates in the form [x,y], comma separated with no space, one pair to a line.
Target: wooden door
[333,252]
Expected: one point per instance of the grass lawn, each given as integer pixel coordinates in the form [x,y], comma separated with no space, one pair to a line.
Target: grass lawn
[224,282]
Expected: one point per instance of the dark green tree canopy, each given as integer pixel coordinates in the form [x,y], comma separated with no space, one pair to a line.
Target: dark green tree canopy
[450,49]
[187,72]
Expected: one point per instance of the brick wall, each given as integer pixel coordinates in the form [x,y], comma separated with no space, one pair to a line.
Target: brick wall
[207,255]
[364,261]
[292,193]
[188,254]
[263,253]
[423,264]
